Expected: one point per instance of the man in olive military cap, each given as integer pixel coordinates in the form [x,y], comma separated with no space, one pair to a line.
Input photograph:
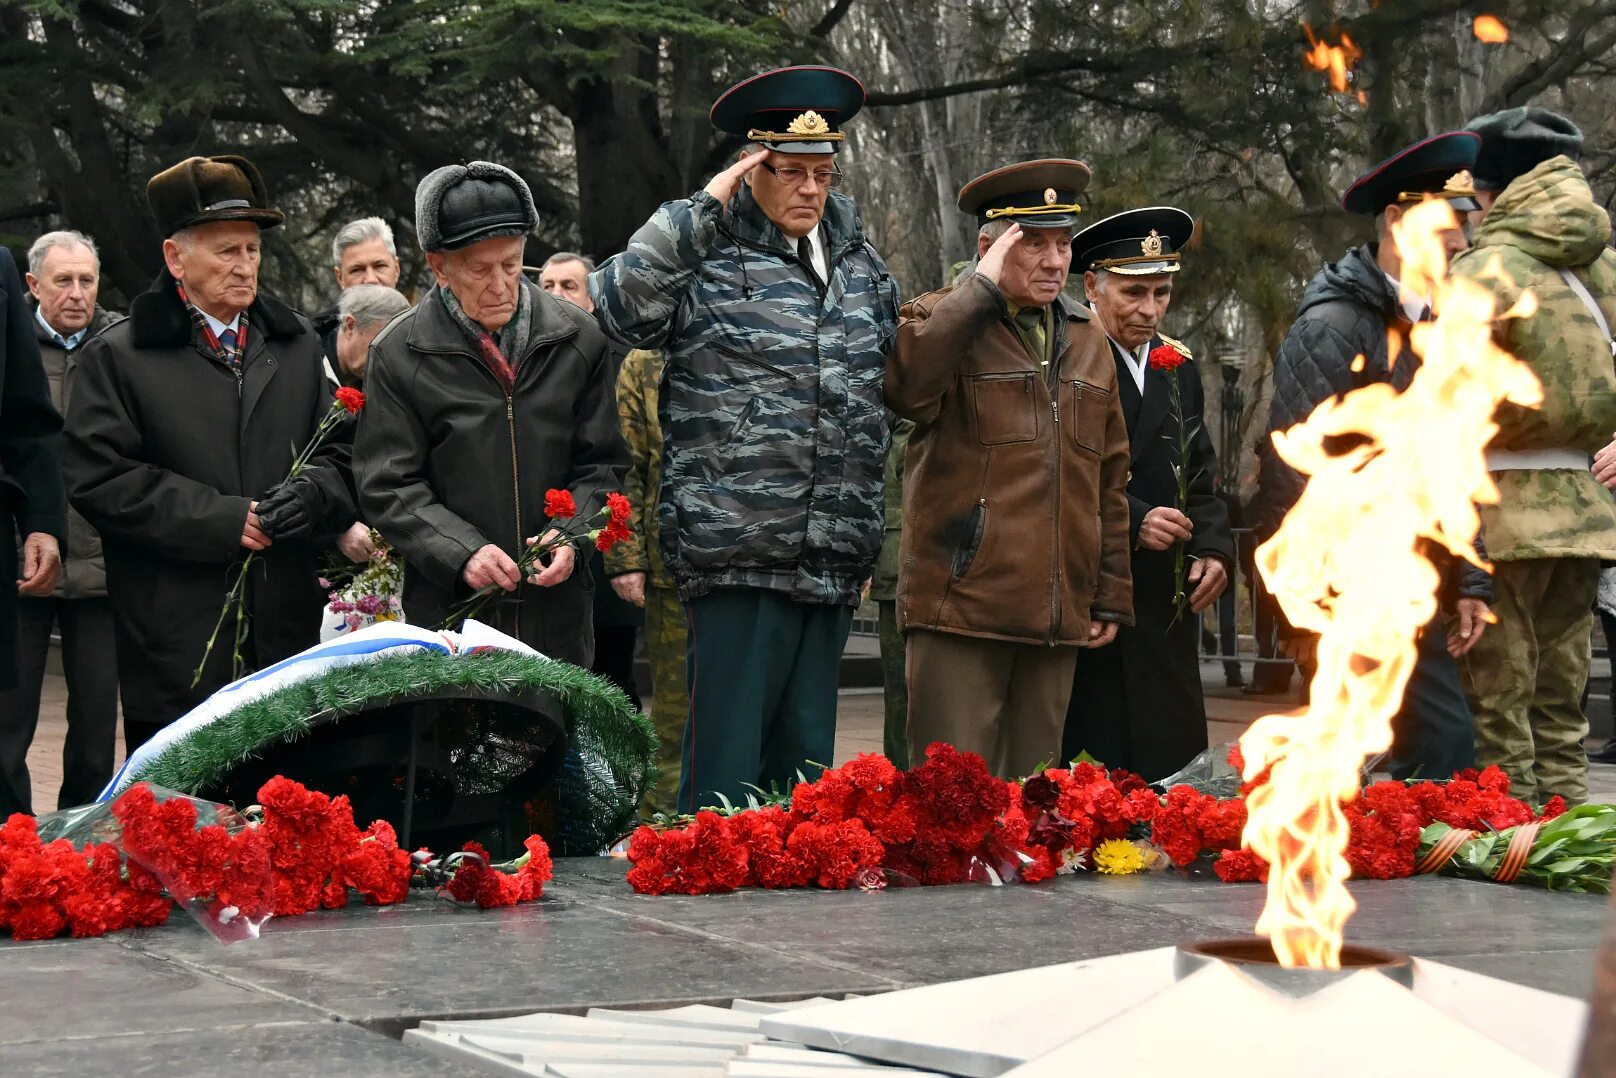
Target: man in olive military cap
[1352,330]
[1137,704]
[180,433]
[774,315]
[1542,230]
[485,396]
[1015,536]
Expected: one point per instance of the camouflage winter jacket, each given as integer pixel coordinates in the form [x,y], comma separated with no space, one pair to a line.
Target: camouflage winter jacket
[1546,221]
[774,433]
[638,387]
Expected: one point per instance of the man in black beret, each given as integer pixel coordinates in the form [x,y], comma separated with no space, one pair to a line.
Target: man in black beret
[180,433]
[1339,342]
[1136,704]
[1542,230]
[485,396]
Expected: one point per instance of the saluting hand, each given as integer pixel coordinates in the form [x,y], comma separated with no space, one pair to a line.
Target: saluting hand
[991,264]
[724,185]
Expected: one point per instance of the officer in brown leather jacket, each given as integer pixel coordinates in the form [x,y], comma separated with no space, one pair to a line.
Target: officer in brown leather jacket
[1015,546]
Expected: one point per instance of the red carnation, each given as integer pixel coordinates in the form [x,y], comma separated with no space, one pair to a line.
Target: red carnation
[613,533]
[1241,866]
[1164,357]
[619,508]
[351,399]
[558,505]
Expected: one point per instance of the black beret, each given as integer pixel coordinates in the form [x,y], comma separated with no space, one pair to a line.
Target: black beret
[1516,141]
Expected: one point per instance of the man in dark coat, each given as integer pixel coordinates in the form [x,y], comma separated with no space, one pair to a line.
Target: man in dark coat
[486,395]
[1339,342]
[181,432]
[1137,703]
[64,274]
[31,501]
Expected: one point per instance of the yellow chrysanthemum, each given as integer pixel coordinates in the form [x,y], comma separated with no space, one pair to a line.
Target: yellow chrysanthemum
[1118,857]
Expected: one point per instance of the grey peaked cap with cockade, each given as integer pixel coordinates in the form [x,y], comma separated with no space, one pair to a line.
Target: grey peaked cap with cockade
[458,205]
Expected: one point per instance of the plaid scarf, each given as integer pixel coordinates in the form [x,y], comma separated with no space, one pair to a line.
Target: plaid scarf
[495,351]
[230,357]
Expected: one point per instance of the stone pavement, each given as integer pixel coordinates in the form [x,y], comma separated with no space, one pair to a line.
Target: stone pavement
[330,993]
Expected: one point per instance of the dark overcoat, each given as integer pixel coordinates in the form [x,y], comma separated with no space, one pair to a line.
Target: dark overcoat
[1137,703]
[448,462]
[166,448]
[30,467]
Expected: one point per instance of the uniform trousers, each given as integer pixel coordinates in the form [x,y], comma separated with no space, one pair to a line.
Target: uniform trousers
[90,663]
[665,647]
[1526,674]
[763,672]
[1004,701]
[894,688]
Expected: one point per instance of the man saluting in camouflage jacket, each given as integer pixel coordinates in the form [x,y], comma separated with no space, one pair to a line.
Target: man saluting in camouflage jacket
[774,315]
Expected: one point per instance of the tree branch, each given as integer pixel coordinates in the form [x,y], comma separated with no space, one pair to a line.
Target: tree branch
[827,22]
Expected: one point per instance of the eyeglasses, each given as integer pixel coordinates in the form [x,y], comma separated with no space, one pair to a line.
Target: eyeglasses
[793,177]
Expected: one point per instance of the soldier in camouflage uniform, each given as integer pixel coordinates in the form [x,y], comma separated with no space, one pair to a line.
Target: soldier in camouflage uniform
[884,590]
[1553,523]
[640,576]
[774,314]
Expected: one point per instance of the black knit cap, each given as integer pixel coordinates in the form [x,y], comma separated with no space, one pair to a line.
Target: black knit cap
[1516,141]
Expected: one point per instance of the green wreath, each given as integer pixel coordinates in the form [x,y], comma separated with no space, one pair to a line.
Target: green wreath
[595,793]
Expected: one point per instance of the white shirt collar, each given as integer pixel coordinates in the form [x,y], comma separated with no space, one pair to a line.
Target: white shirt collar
[1135,361]
[69,343]
[1415,308]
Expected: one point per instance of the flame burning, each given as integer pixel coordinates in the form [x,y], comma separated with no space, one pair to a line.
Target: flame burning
[1336,60]
[1388,471]
[1490,30]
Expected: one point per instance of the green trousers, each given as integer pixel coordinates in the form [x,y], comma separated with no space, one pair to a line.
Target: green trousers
[895,690]
[1525,677]
[763,675]
[670,699]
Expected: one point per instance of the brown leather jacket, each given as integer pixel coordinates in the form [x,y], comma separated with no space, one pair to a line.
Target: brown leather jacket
[1015,497]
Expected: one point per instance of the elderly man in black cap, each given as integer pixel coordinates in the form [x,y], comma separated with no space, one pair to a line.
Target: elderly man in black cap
[1015,538]
[1351,330]
[1137,703]
[180,434]
[774,314]
[1543,231]
[485,396]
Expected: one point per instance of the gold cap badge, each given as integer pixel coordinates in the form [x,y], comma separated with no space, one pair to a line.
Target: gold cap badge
[1152,244]
[1461,183]
[1049,196]
[809,123]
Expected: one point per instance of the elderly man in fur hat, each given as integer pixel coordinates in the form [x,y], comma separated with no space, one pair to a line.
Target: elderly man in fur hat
[485,396]
[180,433]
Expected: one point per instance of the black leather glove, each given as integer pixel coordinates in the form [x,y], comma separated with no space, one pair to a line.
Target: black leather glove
[293,509]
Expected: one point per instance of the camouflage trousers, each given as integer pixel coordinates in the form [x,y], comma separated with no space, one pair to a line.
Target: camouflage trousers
[665,635]
[895,731]
[1525,677]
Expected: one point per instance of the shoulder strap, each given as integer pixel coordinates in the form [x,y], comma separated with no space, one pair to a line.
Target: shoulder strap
[1575,284]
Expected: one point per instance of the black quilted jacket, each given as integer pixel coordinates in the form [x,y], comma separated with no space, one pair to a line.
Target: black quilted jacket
[1347,310]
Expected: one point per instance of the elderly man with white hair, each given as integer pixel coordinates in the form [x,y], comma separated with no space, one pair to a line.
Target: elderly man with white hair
[480,400]
[363,252]
[181,431]
[64,277]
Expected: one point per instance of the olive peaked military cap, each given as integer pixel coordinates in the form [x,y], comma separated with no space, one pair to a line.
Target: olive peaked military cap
[1139,243]
[1033,194]
[200,190]
[1437,167]
[791,110]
